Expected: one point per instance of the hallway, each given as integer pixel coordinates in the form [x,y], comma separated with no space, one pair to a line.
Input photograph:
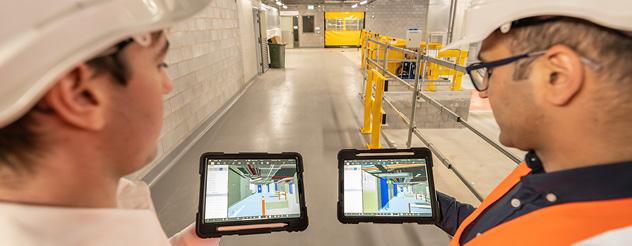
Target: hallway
[312,108]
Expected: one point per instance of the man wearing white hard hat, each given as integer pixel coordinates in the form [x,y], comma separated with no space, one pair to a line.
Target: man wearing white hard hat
[559,83]
[81,107]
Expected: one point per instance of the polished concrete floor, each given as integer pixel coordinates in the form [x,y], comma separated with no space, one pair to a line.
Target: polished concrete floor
[311,107]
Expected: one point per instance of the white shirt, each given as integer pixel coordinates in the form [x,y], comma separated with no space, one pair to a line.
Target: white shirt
[620,236]
[133,222]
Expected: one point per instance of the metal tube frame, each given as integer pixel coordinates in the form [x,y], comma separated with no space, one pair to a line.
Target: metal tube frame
[433,102]
[436,152]
[365,72]
[417,93]
[411,125]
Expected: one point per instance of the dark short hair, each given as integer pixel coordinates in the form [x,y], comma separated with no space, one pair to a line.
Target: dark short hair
[18,141]
[612,49]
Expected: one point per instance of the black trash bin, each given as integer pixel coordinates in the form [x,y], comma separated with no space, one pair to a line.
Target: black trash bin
[277,55]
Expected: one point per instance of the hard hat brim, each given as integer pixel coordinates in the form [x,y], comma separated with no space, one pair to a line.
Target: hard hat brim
[483,17]
[33,59]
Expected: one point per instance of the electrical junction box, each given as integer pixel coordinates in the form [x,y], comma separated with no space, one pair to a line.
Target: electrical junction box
[413,38]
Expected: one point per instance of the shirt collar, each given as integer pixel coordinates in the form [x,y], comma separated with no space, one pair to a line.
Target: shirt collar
[533,162]
[598,182]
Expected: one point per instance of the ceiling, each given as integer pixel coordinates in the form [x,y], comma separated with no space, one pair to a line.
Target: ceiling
[271,2]
[400,173]
[260,174]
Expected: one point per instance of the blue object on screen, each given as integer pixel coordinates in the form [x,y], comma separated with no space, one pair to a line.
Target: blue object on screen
[383,192]
[394,190]
[291,188]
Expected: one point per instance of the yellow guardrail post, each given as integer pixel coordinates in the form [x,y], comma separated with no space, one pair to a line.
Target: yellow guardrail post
[368,103]
[363,44]
[373,110]
[431,49]
[376,121]
[458,76]
[433,75]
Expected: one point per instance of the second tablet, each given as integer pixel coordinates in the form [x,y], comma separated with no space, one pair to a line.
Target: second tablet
[386,186]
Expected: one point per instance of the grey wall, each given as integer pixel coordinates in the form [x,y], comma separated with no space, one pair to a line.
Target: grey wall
[205,64]
[387,17]
[310,40]
[395,17]
[438,16]
[247,39]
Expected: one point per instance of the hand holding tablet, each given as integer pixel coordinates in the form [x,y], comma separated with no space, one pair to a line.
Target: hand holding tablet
[251,193]
[386,186]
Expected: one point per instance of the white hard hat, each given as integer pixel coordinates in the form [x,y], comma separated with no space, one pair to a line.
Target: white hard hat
[40,40]
[483,17]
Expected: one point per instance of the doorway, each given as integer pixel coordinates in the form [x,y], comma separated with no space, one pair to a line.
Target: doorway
[260,43]
[287,31]
[343,29]
[295,28]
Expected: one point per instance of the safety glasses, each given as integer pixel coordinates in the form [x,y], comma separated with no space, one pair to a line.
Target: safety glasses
[481,72]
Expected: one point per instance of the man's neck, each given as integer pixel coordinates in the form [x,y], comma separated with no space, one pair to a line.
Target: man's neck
[584,150]
[62,180]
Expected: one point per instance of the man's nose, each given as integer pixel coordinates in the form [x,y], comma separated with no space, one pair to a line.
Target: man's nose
[167,86]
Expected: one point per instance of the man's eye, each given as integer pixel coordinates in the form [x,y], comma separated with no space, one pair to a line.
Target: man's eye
[163,65]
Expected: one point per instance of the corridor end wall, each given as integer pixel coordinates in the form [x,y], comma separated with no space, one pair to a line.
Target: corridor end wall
[387,17]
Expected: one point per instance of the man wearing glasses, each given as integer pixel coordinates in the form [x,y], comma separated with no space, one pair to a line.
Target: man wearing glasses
[558,80]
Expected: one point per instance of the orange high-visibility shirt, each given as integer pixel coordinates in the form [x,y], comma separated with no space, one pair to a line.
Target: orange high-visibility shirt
[562,224]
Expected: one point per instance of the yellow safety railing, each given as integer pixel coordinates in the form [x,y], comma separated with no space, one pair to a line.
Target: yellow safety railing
[374,95]
[373,111]
[372,48]
[435,71]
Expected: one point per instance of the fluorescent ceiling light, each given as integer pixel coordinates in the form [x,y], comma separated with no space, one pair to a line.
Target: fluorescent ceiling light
[355,5]
[363,2]
[284,7]
[279,3]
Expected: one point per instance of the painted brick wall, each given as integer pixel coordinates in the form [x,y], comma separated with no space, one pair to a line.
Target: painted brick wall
[387,17]
[394,17]
[205,64]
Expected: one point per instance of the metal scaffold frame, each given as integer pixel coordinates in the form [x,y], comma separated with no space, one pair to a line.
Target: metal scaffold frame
[420,59]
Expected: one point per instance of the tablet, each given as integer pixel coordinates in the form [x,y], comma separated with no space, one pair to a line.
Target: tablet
[386,186]
[250,193]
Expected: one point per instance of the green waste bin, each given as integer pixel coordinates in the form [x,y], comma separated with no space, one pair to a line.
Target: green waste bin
[277,55]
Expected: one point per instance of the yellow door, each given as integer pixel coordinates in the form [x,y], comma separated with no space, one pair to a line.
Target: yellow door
[343,28]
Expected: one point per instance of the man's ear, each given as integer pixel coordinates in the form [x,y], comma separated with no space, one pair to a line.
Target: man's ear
[77,100]
[565,75]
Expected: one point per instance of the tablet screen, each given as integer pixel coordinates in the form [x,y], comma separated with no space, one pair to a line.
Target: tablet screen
[251,189]
[392,187]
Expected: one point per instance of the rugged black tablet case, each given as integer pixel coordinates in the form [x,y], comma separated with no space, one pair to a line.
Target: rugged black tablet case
[204,230]
[418,153]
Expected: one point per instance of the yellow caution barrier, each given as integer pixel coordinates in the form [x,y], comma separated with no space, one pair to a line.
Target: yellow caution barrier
[434,70]
[433,50]
[373,111]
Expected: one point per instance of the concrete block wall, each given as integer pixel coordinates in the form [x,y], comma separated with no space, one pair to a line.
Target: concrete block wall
[387,17]
[317,38]
[205,64]
[395,17]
